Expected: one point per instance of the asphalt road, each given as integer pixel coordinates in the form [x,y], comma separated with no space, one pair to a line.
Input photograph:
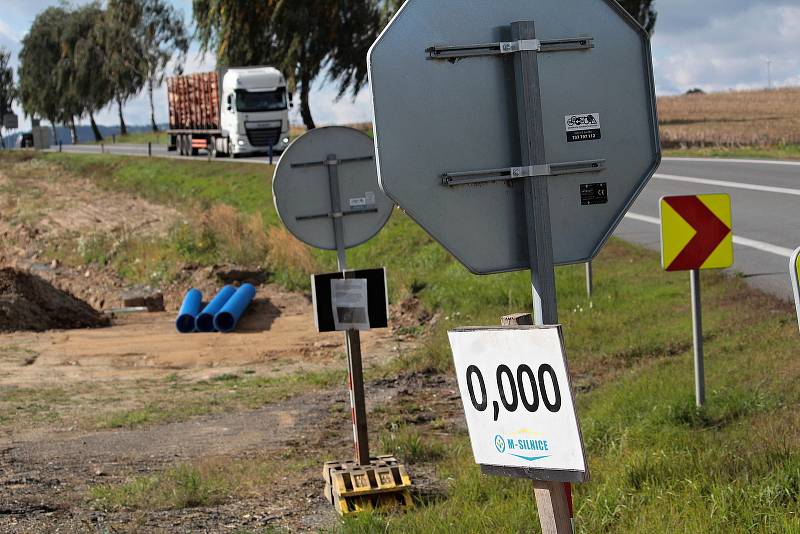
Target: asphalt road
[765,196]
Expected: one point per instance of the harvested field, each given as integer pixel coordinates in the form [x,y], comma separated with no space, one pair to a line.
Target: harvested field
[732,119]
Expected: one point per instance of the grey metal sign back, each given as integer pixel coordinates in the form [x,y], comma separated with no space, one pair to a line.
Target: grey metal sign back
[447,123]
[327,178]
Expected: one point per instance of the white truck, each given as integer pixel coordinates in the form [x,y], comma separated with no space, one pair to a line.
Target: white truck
[233,112]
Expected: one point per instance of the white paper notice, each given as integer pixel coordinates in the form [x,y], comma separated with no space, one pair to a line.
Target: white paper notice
[349,302]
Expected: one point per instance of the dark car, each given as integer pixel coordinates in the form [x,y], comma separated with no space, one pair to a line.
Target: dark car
[25,140]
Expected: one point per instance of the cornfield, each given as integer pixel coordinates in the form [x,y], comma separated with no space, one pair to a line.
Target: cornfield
[733,119]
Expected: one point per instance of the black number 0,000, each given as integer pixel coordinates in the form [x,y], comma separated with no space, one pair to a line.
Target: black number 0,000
[513,390]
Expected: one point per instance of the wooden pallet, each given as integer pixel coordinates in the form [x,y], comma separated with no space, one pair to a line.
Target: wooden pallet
[353,488]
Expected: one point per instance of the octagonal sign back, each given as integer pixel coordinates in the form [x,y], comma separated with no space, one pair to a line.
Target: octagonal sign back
[440,113]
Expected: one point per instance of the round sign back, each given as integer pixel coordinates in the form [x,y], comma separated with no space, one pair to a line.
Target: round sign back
[312,169]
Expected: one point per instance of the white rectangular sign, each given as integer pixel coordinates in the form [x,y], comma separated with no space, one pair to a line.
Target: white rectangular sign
[349,302]
[518,401]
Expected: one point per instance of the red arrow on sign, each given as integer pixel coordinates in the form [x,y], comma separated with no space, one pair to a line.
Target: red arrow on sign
[710,232]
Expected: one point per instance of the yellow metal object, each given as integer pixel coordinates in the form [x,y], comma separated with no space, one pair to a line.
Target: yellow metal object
[353,488]
[696,232]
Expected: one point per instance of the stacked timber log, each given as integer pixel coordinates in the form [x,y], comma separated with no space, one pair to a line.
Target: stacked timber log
[194,101]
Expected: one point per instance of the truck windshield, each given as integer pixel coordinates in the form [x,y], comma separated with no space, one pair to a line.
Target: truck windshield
[255,101]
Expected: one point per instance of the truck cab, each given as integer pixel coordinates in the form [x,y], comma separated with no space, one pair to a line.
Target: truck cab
[254,112]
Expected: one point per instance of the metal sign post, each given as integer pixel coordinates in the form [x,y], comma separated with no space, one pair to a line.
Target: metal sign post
[352,337]
[589,280]
[547,192]
[697,339]
[551,497]
[342,215]
[794,271]
[696,234]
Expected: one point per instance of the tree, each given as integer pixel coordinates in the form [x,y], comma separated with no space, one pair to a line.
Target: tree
[61,74]
[162,36]
[39,58]
[7,89]
[82,68]
[303,38]
[643,11]
[124,63]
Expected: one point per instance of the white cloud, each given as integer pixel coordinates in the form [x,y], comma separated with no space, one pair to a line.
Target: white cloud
[729,49]
[7,33]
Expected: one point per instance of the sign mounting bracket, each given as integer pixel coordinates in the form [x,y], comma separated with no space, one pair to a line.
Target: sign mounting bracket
[452,52]
[452,179]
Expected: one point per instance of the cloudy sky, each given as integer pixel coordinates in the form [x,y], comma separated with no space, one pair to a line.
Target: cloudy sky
[716,45]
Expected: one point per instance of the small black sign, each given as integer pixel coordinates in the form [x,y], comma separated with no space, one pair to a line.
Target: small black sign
[594,194]
[377,300]
[583,135]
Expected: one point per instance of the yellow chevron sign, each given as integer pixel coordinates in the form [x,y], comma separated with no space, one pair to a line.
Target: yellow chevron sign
[696,232]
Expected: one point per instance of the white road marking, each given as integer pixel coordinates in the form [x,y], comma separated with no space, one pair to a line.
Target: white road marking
[743,241]
[733,185]
[734,160]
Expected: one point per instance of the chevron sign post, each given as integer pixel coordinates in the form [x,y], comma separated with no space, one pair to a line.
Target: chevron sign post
[794,270]
[696,234]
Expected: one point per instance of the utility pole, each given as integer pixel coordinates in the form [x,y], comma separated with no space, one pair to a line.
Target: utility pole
[769,74]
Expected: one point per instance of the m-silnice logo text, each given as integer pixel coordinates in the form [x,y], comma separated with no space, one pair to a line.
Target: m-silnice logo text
[526,449]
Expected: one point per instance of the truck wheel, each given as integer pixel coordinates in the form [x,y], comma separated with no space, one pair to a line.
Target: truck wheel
[230,151]
[212,148]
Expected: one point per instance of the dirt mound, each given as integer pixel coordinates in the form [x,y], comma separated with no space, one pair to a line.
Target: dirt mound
[28,302]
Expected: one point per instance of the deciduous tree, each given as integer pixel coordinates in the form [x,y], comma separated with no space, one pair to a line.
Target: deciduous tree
[303,38]
[82,68]
[643,11]
[39,91]
[124,64]
[162,37]
[7,89]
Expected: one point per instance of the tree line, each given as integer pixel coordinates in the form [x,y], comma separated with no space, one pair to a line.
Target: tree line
[77,60]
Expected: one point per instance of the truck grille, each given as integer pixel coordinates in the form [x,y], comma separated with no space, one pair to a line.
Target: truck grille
[264,137]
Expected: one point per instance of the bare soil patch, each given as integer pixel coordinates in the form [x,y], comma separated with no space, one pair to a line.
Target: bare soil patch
[29,303]
[60,387]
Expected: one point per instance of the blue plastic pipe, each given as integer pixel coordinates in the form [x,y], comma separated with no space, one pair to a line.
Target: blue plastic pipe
[227,318]
[205,321]
[189,310]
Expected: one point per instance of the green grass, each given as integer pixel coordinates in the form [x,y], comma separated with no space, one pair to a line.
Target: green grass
[774,152]
[179,487]
[181,400]
[657,463]
[202,483]
[139,138]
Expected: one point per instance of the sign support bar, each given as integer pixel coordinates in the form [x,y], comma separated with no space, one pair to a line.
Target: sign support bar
[794,271]
[589,280]
[551,497]
[697,326]
[352,337]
